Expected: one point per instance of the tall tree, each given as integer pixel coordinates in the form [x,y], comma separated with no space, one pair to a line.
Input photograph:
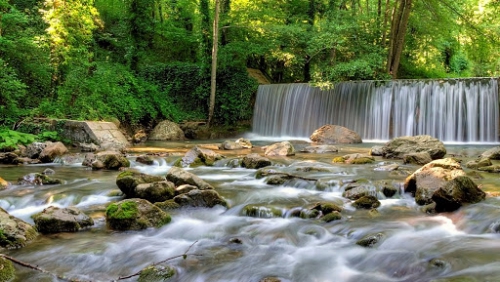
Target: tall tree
[213,76]
[401,15]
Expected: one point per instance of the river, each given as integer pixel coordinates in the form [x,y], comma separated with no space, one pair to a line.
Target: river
[228,245]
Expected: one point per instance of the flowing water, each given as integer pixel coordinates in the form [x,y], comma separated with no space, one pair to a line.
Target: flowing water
[450,110]
[231,246]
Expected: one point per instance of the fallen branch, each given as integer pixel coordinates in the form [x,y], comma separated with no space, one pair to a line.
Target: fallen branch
[35,267]
[184,256]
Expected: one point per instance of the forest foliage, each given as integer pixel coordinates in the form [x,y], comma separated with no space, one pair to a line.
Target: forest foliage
[141,61]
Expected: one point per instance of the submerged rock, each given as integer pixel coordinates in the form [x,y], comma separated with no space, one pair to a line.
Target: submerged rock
[135,214]
[431,177]
[55,220]
[335,215]
[39,179]
[320,149]
[156,273]
[179,176]
[255,161]
[456,193]
[14,232]
[334,134]
[370,240]
[398,147]
[358,159]
[284,148]
[147,160]
[366,202]
[241,143]
[491,168]
[262,211]
[200,198]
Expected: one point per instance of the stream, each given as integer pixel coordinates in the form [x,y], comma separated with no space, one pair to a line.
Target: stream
[228,245]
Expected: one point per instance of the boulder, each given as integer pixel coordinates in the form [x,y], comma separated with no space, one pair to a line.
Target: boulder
[355,191]
[262,211]
[198,156]
[14,232]
[492,154]
[25,160]
[139,137]
[51,151]
[147,160]
[8,158]
[127,181]
[245,143]
[34,150]
[320,149]
[135,214]
[377,150]
[334,134]
[167,131]
[179,176]
[154,192]
[3,184]
[370,240]
[456,193]
[284,148]
[326,208]
[387,167]
[335,215]
[476,164]
[255,161]
[106,160]
[421,158]
[398,147]
[200,198]
[431,177]
[55,220]
[366,202]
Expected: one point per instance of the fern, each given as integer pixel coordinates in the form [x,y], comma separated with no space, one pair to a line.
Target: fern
[9,139]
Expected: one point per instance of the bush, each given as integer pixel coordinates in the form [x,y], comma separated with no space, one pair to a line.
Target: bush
[12,92]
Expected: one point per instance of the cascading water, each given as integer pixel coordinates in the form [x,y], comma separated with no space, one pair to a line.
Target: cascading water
[464,110]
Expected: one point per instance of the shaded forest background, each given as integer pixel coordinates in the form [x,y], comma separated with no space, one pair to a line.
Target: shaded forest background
[141,61]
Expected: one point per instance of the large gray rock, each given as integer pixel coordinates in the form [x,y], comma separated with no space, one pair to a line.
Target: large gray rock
[335,134]
[55,220]
[198,156]
[135,214]
[421,158]
[155,192]
[430,178]
[51,151]
[398,147]
[34,150]
[493,153]
[127,181]
[15,232]
[200,198]
[167,131]
[241,143]
[179,176]
[456,193]
[255,161]
[284,148]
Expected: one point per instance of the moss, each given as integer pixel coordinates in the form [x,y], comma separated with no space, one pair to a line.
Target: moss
[164,220]
[4,240]
[167,205]
[178,163]
[197,162]
[125,210]
[156,274]
[335,215]
[327,208]
[45,180]
[338,160]
[115,162]
[362,161]
[7,271]
[366,202]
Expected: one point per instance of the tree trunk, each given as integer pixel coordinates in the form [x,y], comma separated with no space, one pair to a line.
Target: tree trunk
[213,77]
[398,33]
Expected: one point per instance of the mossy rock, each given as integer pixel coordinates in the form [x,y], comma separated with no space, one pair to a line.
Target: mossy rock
[366,202]
[156,273]
[371,240]
[54,220]
[335,215]
[115,162]
[127,181]
[7,271]
[135,214]
[327,208]
[261,211]
[167,205]
[14,232]
[338,160]
[362,161]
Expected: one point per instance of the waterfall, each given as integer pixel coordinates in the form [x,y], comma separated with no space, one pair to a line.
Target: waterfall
[461,110]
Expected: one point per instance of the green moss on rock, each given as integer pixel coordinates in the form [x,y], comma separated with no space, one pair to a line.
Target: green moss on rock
[338,160]
[167,205]
[7,271]
[335,215]
[156,273]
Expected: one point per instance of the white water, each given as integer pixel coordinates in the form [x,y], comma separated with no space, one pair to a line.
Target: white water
[450,110]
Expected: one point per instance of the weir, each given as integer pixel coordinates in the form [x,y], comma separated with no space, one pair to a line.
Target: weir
[453,110]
